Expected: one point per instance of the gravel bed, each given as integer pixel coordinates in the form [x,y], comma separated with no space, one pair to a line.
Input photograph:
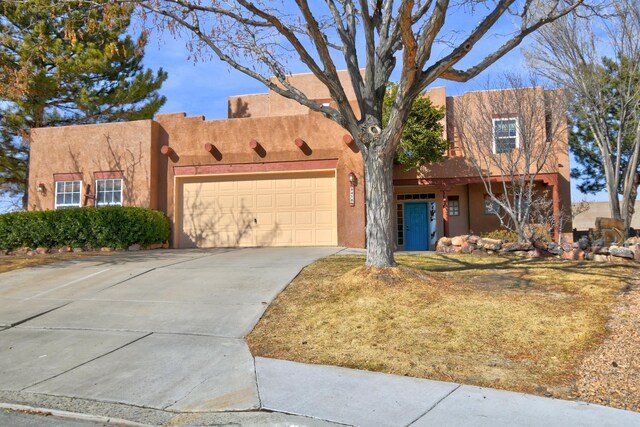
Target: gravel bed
[611,375]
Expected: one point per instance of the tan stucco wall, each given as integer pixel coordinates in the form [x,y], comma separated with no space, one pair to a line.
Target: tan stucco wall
[276,136]
[88,149]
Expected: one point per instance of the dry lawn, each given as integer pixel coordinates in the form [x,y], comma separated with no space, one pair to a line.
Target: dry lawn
[15,262]
[510,323]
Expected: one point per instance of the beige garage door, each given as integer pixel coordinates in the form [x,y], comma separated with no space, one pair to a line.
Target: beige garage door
[289,209]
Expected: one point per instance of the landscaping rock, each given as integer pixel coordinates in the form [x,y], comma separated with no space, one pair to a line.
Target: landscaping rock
[633,240]
[534,253]
[105,249]
[574,254]
[468,247]
[554,248]
[154,246]
[65,249]
[166,245]
[3,252]
[583,243]
[566,247]
[636,251]
[600,258]
[478,252]
[134,247]
[41,250]
[459,240]
[52,251]
[445,241]
[78,250]
[490,244]
[621,252]
[513,247]
[22,251]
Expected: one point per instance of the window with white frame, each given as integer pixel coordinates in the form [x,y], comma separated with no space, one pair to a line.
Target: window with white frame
[505,135]
[68,194]
[109,192]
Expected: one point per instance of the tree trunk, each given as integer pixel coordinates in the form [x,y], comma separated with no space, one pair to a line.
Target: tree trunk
[378,172]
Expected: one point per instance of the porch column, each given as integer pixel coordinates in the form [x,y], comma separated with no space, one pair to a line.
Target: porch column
[445,212]
[556,209]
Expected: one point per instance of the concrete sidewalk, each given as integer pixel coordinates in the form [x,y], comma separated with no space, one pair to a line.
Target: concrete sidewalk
[361,398]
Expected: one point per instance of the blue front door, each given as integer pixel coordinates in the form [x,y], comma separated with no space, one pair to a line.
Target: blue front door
[416,228]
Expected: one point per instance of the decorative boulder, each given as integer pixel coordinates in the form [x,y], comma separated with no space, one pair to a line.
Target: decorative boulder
[633,240]
[621,252]
[513,247]
[134,247]
[468,247]
[583,243]
[473,239]
[490,244]
[575,254]
[600,258]
[636,251]
[459,240]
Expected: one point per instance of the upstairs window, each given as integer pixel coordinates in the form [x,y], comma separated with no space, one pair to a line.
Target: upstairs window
[108,192]
[68,194]
[505,135]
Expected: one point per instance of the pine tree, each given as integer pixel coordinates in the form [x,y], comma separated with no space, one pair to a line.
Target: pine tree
[64,63]
[421,141]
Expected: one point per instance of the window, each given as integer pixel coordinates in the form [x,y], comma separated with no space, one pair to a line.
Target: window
[68,194]
[420,196]
[491,207]
[108,192]
[505,135]
[453,205]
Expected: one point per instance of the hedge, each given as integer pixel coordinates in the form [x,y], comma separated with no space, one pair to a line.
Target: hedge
[111,226]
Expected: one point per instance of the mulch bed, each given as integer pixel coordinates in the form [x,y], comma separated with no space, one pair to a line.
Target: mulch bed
[611,374]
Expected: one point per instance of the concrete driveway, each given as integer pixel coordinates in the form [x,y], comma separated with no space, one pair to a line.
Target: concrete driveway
[158,329]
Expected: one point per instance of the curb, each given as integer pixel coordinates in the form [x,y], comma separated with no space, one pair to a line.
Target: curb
[70,415]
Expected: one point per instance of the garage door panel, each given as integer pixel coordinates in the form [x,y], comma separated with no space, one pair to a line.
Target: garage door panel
[304,200]
[290,209]
[284,201]
[284,219]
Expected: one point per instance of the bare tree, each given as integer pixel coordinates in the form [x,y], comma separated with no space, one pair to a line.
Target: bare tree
[369,38]
[605,92]
[511,133]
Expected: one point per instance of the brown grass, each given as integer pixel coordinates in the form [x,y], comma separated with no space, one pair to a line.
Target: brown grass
[15,262]
[517,324]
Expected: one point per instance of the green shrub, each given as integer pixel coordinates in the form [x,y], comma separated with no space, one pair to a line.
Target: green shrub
[112,226]
[501,234]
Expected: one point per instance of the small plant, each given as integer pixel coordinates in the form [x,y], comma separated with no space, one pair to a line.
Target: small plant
[501,234]
[112,226]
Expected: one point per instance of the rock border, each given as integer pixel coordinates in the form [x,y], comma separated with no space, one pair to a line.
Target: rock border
[66,249]
[581,250]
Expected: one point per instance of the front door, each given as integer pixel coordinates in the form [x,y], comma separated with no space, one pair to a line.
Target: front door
[416,227]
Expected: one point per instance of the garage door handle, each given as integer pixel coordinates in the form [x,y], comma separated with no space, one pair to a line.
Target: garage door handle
[255,220]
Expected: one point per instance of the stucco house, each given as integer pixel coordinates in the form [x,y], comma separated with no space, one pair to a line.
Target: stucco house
[273,173]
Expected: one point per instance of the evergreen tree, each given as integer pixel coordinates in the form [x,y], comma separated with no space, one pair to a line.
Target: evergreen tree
[421,141]
[620,130]
[64,63]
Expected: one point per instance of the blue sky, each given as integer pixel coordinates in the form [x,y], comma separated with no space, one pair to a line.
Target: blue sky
[202,88]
